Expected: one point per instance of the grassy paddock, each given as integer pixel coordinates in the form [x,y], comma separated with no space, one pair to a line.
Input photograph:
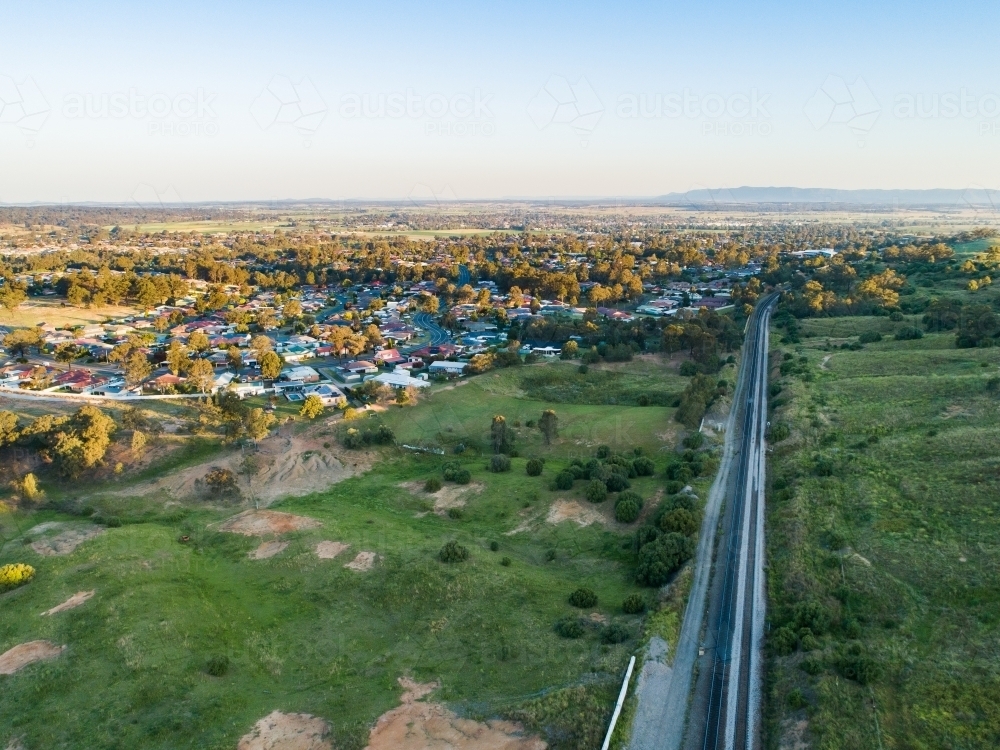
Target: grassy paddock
[883,514]
[303,634]
[36,311]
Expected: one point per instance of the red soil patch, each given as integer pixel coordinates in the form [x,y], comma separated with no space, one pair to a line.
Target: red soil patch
[279,731]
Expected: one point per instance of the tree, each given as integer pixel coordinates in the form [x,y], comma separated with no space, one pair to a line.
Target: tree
[259,423]
[234,358]
[19,341]
[137,368]
[202,375]
[292,310]
[569,350]
[8,428]
[260,345]
[312,407]
[11,297]
[80,442]
[67,352]
[373,335]
[138,444]
[660,558]
[549,425]
[267,319]
[672,338]
[501,435]
[270,366]
[198,341]
[28,487]
[178,360]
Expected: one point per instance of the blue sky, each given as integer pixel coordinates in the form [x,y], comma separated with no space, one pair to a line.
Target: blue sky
[300,100]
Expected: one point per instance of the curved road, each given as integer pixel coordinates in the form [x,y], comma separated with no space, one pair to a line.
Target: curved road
[666,707]
[437,333]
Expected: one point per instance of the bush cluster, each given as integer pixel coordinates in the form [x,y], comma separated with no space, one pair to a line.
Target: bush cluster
[597,491]
[634,604]
[627,507]
[453,472]
[691,464]
[499,463]
[354,437]
[13,575]
[583,598]
[569,627]
[534,467]
[659,559]
[432,485]
[453,552]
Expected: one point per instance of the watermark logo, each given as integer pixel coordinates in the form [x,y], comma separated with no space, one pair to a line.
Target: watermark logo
[425,195]
[560,102]
[284,102]
[837,101]
[738,114]
[23,105]
[461,114]
[147,196]
[982,200]
[182,115]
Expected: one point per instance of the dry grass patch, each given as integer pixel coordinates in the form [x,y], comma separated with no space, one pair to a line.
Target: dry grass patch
[328,550]
[449,496]
[267,549]
[364,561]
[280,731]
[74,601]
[27,653]
[266,522]
[65,542]
[571,510]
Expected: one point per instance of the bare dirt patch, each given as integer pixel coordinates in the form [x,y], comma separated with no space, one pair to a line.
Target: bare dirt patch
[289,465]
[416,725]
[266,522]
[267,549]
[822,364]
[571,510]
[74,601]
[27,653]
[449,496]
[793,735]
[66,541]
[364,561]
[329,550]
[280,731]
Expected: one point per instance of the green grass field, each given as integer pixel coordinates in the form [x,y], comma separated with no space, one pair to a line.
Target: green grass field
[883,514]
[307,635]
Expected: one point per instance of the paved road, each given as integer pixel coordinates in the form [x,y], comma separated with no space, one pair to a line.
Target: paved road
[463,275]
[662,715]
[437,333]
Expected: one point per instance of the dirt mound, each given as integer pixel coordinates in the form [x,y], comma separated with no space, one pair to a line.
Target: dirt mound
[27,653]
[279,731]
[449,496]
[66,541]
[364,561]
[74,601]
[294,465]
[415,725]
[266,522]
[571,510]
[267,549]
[329,550]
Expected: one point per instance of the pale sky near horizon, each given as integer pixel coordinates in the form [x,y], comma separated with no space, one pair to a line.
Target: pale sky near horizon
[108,101]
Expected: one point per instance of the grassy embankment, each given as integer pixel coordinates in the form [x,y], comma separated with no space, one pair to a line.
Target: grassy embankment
[882,540]
[304,634]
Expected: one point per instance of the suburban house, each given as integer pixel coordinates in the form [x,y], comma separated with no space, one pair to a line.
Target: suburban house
[400,379]
[388,357]
[328,393]
[362,367]
[299,374]
[448,368]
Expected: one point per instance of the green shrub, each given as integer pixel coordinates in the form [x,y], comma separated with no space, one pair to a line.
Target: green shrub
[453,552]
[679,521]
[533,467]
[550,555]
[455,513]
[658,560]
[432,485]
[870,337]
[796,700]
[583,598]
[908,333]
[597,491]
[783,641]
[779,432]
[694,441]
[217,665]
[617,483]
[499,463]
[505,562]
[674,486]
[603,452]
[615,633]
[569,627]
[680,472]
[494,546]
[564,480]
[811,614]
[627,507]
[646,534]
[634,604]
[855,664]
[688,368]
[450,469]
[583,369]
[644,467]
[462,476]
[682,500]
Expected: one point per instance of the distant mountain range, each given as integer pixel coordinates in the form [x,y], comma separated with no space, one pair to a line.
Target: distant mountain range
[972,197]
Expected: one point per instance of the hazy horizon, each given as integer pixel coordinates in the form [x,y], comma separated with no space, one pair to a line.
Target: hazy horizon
[387,102]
